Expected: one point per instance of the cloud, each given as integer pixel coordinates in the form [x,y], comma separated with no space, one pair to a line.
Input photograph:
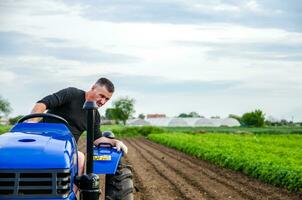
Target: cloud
[13,43]
[215,57]
[49,8]
[267,13]
[161,85]
[89,55]
[19,44]
[249,50]
[154,94]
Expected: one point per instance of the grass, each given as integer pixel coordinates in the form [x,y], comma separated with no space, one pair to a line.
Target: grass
[4,128]
[275,159]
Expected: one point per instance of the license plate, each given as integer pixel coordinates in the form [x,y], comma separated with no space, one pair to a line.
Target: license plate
[104,157]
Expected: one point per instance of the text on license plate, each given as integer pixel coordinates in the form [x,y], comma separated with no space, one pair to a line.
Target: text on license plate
[104,157]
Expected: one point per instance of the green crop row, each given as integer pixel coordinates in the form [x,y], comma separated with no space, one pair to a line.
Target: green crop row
[275,159]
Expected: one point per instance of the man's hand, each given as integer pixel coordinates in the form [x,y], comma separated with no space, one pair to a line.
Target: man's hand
[117,143]
[120,145]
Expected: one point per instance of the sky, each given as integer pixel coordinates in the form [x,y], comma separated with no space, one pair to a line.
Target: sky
[215,57]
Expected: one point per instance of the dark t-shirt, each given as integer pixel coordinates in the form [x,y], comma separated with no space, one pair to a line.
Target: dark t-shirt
[68,103]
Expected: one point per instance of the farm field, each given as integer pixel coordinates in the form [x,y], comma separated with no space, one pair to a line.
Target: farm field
[161,172]
[275,159]
[166,174]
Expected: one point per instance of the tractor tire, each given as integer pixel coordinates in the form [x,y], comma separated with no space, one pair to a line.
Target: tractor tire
[119,186]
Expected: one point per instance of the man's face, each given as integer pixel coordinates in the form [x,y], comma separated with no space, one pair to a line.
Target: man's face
[99,94]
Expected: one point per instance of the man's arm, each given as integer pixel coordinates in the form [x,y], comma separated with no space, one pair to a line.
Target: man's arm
[38,108]
[52,101]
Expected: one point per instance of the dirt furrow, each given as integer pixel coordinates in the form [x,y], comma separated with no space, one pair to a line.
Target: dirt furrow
[193,176]
[197,167]
[246,186]
[179,183]
[163,173]
[242,189]
[189,181]
[154,182]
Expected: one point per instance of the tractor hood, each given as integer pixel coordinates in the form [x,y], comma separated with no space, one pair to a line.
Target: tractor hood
[37,146]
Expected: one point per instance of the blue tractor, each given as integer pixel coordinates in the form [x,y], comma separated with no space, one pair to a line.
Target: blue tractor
[39,161]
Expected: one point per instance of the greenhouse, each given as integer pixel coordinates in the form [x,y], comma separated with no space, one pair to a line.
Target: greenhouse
[191,120]
[167,121]
[138,122]
[205,122]
[184,122]
[229,122]
[177,122]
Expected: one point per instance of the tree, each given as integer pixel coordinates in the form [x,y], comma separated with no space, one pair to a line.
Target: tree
[110,113]
[191,114]
[141,116]
[123,109]
[237,117]
[255,118]
[14,120]
[5,108]
[183,115]
[194,114]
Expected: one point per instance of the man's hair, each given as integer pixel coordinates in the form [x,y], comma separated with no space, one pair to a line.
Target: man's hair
[107,83]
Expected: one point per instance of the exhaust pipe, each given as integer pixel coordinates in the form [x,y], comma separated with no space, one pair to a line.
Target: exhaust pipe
[90,107]
[89,182]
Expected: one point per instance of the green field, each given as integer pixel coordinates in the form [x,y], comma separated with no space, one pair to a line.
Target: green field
[4,129]
[243,130]
[124,131]
[275,159]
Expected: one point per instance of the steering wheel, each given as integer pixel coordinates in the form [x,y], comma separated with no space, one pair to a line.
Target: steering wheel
[43,115]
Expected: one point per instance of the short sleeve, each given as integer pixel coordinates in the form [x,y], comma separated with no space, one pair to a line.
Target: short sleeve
[57,99]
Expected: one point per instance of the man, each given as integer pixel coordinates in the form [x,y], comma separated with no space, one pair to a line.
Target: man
[68,103]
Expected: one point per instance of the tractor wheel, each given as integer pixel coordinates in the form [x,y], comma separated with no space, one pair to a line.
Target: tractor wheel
[119,186]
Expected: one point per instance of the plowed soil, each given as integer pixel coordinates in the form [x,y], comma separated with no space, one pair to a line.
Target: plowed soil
[164,173]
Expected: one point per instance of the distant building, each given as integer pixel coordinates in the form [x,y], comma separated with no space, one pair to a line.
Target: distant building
[138,122]
[156,116]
